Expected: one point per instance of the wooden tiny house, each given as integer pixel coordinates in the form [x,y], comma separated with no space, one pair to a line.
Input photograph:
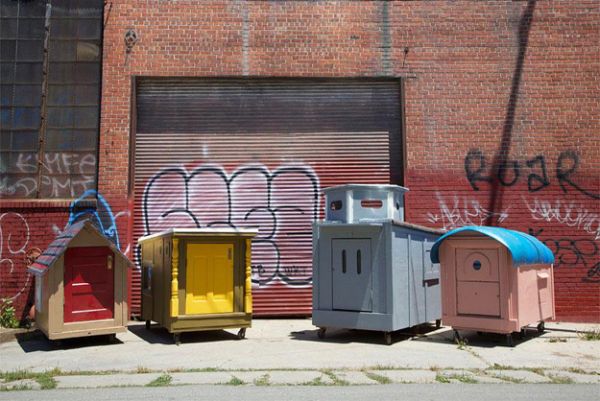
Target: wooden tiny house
[81,284]
[197,279]
[494,280]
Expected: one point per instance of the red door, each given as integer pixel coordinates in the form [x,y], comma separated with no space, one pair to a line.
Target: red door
[89,284]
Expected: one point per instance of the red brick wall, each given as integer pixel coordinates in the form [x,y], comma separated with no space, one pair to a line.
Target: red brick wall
[489,93]
[502,83]
[25,227]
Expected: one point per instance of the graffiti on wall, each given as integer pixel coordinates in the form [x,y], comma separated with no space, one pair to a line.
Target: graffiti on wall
[477,170]
[458,212]
[570,253]
[14,243]
[283,203]
[577,219]
[568,214]
[99,213]
[64,175]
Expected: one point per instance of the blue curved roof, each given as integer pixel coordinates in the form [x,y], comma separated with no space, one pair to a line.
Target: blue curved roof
[524,248]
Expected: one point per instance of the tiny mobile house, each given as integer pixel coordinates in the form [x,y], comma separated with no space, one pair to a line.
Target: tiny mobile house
[197,279]
[494,280]
[81,285]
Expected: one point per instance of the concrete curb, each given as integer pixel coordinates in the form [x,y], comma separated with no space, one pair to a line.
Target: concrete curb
[309,378]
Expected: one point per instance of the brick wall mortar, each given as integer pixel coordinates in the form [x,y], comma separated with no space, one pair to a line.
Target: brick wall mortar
[460,72]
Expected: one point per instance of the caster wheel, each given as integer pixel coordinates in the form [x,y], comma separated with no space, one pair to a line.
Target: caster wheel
[509,340]
[480,333]
[241,334]
[438,323]
[541,327]
[112,338]
[55,344]
[387,337]
[148,323]
[177,338]
[457,337]
[321,332]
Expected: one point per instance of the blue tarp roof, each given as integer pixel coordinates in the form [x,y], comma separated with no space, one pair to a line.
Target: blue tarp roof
[524,248]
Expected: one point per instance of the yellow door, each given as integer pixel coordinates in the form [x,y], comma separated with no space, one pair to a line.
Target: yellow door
[209,279]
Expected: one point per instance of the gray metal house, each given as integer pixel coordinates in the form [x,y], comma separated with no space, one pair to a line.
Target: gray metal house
[374,272]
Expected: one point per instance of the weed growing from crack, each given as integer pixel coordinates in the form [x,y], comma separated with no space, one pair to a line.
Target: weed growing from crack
[161,381]
[378,378]
[589,335]
[336,380]
[235,381]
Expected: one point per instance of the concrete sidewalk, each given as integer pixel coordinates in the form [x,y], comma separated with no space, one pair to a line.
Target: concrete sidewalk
[288,352]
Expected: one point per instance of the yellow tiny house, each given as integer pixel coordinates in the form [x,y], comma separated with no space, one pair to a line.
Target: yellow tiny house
[197,279]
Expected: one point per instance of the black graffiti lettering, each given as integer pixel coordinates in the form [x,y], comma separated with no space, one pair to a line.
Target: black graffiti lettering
[508,173]
[566,166]
[259,269]
[506,166]
[535,182]
[475,166]
[594,273]
[571,253]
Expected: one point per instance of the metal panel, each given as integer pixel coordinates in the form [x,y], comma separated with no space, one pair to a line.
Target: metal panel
[352,281]
[257,152]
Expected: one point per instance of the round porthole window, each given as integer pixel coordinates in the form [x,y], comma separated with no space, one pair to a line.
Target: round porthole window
[476,265]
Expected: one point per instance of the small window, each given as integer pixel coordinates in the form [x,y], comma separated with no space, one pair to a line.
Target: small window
[344,261]
[371,203]
[336,205]
[358,262]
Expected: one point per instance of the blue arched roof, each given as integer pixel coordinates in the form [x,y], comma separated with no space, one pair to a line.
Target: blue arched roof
[524,248]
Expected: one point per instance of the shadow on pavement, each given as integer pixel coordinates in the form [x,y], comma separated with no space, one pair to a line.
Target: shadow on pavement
[346,336]
[37,341]
[480,339]
[160,335]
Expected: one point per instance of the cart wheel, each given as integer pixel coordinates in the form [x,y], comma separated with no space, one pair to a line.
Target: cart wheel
[438,323]
[112,338]
[457,337]
[148,323]
[321,332]
[480,333]
[241,334]
[509,340]
[55,344]
[388,337]
[522,333]
[541,327]
[177,338]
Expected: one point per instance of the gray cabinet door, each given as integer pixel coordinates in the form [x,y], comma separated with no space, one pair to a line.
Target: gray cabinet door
[352,275]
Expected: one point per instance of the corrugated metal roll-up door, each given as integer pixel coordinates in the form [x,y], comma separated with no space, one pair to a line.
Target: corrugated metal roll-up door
[257,152]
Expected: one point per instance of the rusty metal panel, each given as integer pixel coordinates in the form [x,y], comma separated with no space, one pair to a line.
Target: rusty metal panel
[258,152]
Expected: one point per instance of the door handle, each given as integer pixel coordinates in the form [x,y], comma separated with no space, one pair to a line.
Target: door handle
[109,262]
[431,282]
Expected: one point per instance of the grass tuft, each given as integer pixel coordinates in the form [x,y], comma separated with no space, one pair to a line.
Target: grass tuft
[143,369]
[590,335]
[235,381]
[561,379]
[161,381]
[336,380]
[378,378]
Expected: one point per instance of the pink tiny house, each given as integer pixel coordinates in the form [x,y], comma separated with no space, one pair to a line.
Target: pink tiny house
[494,280]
